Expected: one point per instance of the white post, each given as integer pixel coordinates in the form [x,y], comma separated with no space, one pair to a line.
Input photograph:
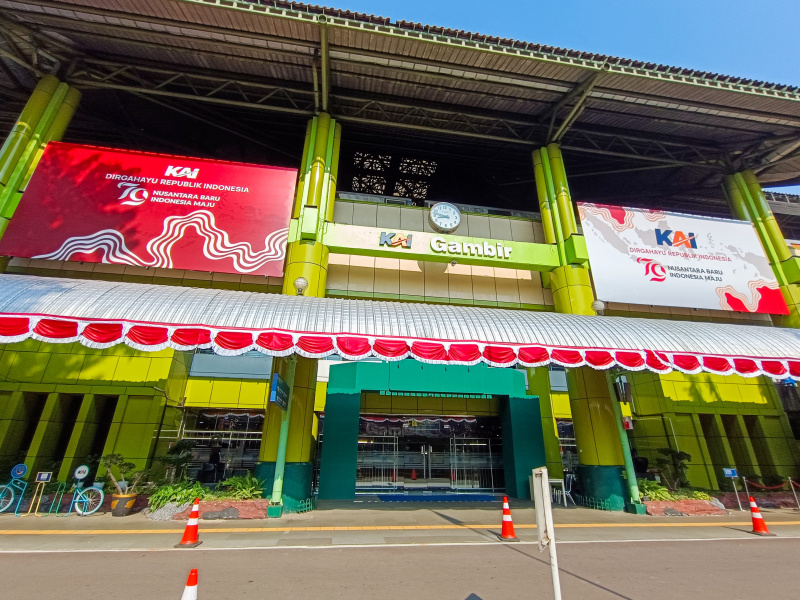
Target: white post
[735,491]
[544,524]
[791,487]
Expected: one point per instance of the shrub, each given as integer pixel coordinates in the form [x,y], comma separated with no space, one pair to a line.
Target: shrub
[180,492]
[245,487]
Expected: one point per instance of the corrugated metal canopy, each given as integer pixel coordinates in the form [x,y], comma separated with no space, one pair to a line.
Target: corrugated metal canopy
[234,322]
[376,59]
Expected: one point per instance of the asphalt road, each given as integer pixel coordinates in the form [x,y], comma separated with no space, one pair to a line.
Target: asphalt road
[730,569]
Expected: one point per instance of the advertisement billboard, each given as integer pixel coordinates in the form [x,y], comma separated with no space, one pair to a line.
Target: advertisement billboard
[153,210]
[641,256]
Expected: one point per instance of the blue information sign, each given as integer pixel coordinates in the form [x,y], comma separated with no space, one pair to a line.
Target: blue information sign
[44,477]
[279,392]
[19,471]
[730,472]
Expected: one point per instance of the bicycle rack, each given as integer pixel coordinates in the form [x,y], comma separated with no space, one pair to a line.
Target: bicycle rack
[39,491]
[18,486]
[57,498]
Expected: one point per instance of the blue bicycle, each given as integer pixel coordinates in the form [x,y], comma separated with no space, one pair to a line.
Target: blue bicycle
[86,500]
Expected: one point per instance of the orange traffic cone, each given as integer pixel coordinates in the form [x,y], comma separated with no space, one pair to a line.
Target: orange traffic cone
[190,591]
[191,532]
[507,532]
[759,526]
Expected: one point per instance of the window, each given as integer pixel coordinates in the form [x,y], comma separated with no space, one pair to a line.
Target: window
[369,184]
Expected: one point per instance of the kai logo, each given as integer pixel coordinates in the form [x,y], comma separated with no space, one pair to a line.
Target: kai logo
[678,239]
[395,240]
[181,172]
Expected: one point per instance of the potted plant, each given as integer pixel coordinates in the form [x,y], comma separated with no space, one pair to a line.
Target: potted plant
[126,488]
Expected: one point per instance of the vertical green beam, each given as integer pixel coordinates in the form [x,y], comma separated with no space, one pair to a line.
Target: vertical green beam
[762,230]
[554,212]
[27,156]
[55,132]
[623,440]
[562,197]
[280,461]
[319,164]
[334,171]
[305,168]
[544,202]
[23,129]
[765,213]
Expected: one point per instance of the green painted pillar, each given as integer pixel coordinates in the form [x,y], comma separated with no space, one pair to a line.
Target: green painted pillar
[14,420]
[719,449]
[705,455]
[299,442]
[306,257]
[54,426]
[337,475]
[283,436]
[742,446]
[135,427]
[23,129]
[83,434]
[748,203]
[597,435]
[52,105]
[539,385]
[523,447]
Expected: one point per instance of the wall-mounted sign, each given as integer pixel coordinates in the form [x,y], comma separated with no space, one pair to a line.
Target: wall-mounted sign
[433,247]
[19,471]
[671,259]
[279,392]
[153,210]
[444,217]
[395,240]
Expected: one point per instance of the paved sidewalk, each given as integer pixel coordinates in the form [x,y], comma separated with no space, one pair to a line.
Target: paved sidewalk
[338,523]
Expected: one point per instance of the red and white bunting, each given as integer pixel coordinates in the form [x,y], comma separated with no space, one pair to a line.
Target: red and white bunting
[152,337]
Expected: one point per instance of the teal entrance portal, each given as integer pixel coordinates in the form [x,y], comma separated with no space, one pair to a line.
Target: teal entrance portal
[522,439]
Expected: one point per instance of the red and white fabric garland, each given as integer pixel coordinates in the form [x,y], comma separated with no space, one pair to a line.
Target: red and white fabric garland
[151,337]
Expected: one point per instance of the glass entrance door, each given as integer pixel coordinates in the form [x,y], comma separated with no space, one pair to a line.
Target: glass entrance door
[429,454]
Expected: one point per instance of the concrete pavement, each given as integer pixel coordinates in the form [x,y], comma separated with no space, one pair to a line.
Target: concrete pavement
[364,523]
[735,569]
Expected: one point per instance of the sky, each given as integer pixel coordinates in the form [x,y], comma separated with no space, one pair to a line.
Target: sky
[751,39]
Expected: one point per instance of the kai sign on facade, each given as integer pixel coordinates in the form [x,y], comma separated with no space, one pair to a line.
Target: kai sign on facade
[671,259]
[433,247]
[153,210]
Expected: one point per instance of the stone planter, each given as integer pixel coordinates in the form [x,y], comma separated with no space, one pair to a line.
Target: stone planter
[693,508]
[213,509]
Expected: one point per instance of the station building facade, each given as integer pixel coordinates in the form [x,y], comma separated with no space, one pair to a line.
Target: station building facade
[423,421]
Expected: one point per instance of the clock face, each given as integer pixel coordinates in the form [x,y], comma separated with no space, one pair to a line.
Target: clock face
[444,217]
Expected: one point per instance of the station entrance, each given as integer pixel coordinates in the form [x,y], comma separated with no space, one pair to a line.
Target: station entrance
[413,453]
[468,429]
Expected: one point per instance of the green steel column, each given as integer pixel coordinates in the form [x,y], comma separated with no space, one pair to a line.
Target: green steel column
[334,171]
[26,158]
[765,213]
[600,447]
[623,438]
[23,130]
[280,460]
[563,199]
[14,418]
[55,132]
[747,202]
[539,385]
[306,256]
[544,202]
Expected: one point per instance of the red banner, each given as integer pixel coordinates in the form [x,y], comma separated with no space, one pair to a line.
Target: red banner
[153,210]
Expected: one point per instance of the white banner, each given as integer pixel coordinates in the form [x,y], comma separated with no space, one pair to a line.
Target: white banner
[641,256]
